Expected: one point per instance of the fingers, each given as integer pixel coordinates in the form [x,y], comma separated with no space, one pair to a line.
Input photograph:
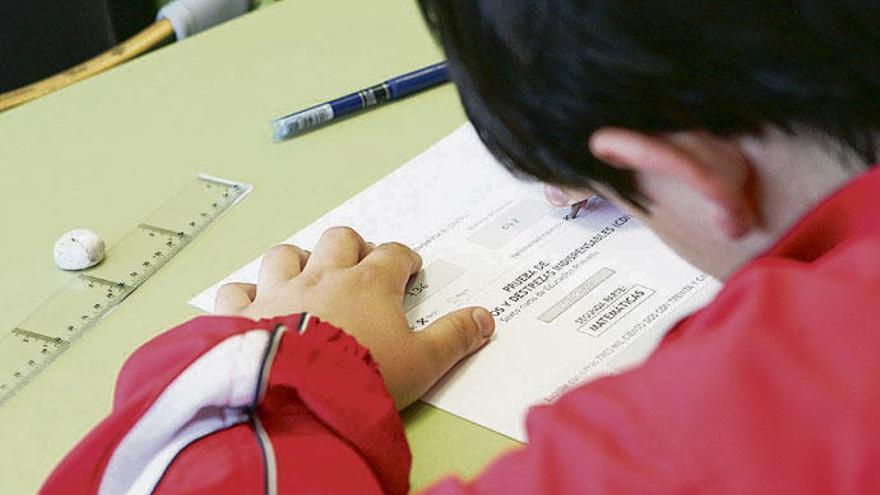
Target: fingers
[561,197]
[341,247]
[396,262]
[280,264]
[457,335]
[232,298]
[338,247]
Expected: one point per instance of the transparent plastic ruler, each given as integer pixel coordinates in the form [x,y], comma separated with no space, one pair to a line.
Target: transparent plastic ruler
[69,312]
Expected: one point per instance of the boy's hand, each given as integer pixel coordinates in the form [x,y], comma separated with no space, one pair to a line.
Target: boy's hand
[561,197]
[359,288]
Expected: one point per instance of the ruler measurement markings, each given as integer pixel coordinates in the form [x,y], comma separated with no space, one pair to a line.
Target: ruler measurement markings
[162,230]
[81,304]
[45,338]
[110,284]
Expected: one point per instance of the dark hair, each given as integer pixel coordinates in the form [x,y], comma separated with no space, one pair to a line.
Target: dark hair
[538,77]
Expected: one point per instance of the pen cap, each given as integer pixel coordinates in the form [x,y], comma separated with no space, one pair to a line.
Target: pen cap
[189,17]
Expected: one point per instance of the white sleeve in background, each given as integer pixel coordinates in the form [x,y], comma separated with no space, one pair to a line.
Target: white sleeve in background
[189,17]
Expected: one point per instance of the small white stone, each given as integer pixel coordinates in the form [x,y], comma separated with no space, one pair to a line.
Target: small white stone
[78,249]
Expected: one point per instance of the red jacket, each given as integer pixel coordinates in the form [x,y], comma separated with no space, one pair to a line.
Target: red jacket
[772,388]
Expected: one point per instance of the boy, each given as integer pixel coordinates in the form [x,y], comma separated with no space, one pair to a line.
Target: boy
[741,133]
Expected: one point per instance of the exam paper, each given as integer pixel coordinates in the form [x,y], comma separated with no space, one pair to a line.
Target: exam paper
[573,300]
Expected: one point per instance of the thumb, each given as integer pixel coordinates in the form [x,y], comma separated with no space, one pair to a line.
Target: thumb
[458,334]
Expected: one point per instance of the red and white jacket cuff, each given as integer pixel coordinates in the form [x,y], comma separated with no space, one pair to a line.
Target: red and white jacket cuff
[213,373]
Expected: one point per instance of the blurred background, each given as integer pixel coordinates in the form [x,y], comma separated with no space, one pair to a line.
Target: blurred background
[40,38]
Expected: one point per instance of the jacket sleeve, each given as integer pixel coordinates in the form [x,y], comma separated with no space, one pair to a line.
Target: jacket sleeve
[231,405]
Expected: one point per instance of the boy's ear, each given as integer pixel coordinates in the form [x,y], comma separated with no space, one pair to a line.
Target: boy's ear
[704,165]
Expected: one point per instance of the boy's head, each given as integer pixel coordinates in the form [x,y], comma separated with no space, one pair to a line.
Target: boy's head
[718,123]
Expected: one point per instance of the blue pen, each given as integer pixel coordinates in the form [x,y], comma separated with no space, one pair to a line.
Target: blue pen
[390,90]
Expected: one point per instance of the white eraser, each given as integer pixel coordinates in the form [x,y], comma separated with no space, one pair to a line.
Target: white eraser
[78,249]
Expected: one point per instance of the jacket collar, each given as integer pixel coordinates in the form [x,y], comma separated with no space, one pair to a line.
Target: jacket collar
[852,211]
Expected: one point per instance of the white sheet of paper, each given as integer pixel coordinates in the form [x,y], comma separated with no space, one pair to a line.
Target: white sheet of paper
[573,300]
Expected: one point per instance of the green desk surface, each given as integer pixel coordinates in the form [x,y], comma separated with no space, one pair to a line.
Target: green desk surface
[103,153]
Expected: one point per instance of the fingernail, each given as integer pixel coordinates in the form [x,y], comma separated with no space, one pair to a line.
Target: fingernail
[555,196]
[484,321]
